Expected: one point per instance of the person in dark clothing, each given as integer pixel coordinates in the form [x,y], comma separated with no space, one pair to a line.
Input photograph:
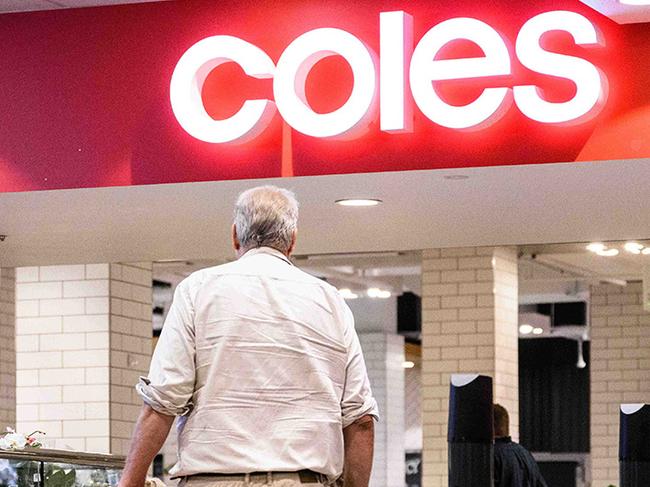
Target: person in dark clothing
[514,466]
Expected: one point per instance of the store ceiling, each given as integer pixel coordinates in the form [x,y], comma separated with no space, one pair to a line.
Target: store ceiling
[514,205]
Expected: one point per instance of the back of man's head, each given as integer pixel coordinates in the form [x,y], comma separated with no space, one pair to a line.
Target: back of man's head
[266,216]
[501,421]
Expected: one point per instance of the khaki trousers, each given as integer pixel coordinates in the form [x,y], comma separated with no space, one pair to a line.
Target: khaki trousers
[272,480]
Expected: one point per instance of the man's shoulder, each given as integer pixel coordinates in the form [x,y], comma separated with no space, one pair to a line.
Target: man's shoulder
[243,267]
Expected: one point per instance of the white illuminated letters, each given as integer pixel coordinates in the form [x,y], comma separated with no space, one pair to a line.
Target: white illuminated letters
[424,70]
[291,74]
[590,85]
[187,84]
[396,42]
[400,66]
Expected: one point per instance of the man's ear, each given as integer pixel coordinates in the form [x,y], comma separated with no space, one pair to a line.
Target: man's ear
[235,240]
[294,236]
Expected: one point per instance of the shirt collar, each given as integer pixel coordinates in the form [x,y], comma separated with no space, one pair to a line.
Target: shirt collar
[268,251]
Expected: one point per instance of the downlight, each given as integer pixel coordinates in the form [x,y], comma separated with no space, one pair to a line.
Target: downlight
[359,202]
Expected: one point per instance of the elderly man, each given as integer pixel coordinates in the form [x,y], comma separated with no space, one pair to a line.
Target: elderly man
[262,364]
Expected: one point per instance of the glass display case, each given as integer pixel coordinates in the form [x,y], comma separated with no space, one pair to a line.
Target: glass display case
[56,468]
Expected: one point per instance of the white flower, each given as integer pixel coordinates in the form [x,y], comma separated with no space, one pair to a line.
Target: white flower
[13,441]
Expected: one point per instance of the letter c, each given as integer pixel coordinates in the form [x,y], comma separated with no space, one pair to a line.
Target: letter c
[187,83]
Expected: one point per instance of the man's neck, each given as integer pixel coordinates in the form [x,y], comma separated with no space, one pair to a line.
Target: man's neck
[241,252]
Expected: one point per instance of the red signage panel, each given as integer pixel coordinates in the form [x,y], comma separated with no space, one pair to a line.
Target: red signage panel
[202,90]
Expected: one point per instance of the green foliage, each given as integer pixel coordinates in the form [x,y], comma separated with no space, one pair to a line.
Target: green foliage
[56,476]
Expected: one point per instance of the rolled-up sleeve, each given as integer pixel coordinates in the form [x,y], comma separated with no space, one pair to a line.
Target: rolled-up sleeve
[169,386]
[357,400]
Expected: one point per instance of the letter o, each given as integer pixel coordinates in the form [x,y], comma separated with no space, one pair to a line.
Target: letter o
[291,74]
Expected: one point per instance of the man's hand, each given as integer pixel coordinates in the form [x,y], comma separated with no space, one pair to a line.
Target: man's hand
[150,433]
[359,443]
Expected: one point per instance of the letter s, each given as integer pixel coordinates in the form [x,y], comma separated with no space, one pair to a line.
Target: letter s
[591,84]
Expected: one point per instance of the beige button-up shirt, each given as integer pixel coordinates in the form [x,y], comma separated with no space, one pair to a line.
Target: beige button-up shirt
[262,362]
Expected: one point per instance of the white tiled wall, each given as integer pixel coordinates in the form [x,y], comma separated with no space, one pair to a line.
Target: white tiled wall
[131,346]
[62,326]
[7,349]
[469,324]
[620,369]
[384,356]
[83,335]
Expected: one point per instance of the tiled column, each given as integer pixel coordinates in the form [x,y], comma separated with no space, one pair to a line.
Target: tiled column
[469,325]
[7,349]
[131,346]
[620,370]
[384,356]
[77,330]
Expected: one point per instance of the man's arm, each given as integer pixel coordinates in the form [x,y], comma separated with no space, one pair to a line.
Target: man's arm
[150,433]
[359,441]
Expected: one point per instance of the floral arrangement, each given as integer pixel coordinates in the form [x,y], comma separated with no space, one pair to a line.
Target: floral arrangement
[10,440]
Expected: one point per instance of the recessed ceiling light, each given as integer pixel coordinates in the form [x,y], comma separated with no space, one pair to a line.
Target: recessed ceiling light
[525,329]
[596,247]
[633,247]
[348,294]
[538,331]
[375,292]
[358,202]
[408,364]
[608,252]
[456,177]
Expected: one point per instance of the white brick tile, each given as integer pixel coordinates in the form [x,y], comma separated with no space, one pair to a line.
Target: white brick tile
[26,378]
[97,410]
[98,445]
[37,360]
[38,290]
[97,375]
[85,358]
[61,376]
[116,271]
[96,306]
[26,274]
[27,308]
[27,412]
[51,428]
[97,340]
[76,444]
[32,326]
[142,294]
[38,395]
[27,343]
[97,271]
[85,323]
[62,307]
[61,272]
[60,341]
[86,428]
[78,393]
[86,288]
[136,275]
[62,411]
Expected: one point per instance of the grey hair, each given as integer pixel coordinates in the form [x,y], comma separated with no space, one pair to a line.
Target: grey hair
[266,216]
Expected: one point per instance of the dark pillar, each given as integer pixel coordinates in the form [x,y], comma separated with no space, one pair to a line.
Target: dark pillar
[470,433]
[634,445]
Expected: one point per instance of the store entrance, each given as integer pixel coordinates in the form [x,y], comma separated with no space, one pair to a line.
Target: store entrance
[477,249]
